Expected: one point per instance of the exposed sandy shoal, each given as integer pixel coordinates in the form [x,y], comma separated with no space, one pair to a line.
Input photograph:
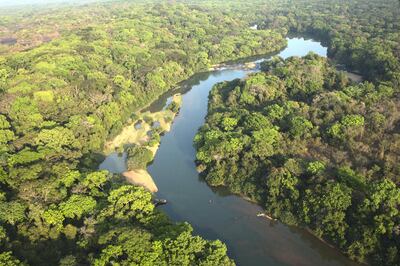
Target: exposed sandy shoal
[141,178]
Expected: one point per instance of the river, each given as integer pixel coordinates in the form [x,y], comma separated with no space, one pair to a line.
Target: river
[215,213]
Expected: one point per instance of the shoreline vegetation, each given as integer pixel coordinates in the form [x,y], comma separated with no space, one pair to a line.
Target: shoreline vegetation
[144,132]
[245,66]
[270,125]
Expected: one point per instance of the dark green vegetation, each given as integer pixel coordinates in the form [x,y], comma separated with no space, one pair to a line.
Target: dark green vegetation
[99,221]
[138,157]
[314,149]
[60,101]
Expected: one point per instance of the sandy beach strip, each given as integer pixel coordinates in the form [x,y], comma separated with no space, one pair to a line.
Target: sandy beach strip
[142,178]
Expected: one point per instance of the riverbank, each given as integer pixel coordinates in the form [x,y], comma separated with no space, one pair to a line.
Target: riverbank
[241,66]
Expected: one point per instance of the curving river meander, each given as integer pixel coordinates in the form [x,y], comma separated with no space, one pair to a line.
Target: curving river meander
[215,213]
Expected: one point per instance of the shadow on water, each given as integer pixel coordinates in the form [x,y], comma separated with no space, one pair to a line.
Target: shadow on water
[182,88]
[115,163]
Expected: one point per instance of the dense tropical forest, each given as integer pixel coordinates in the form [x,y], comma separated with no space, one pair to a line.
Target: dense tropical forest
[315,149]
[299,138]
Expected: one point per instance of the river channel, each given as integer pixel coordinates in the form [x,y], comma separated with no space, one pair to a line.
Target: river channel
[215,213]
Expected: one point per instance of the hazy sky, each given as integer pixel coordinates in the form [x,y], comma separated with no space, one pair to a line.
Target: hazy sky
[9,3]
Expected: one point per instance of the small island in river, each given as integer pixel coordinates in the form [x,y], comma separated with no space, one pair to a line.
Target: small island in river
[141,139]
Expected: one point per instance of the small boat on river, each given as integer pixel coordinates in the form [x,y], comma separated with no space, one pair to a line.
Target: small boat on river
[158,202]
[261,214]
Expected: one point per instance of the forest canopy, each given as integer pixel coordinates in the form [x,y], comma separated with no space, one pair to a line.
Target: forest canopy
[315,149]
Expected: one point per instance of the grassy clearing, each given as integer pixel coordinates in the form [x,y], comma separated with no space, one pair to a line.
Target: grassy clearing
[140,136]
[150,124]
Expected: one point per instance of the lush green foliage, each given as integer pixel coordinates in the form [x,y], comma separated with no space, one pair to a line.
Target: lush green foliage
[102,222]
[138,157]
[312,147]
